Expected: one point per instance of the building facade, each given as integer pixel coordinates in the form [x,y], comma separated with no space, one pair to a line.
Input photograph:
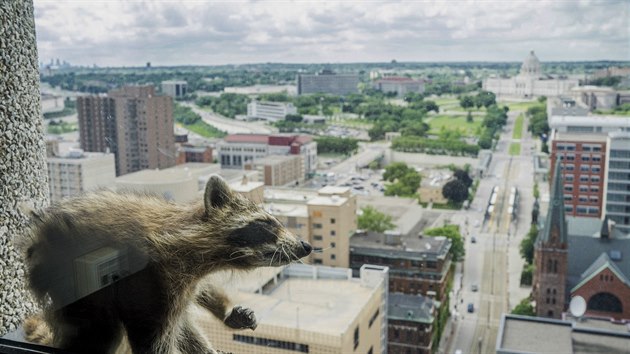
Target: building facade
[328,82]
[529,83]
[399,85]
[583,159]
[79,172]
[175,88]
[617,183]
[238,150]
[295,307]
[269,111]
[410,321]
[133,123]
[279,170]
[194,153]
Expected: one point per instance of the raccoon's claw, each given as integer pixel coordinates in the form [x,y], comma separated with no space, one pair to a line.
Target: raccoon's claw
[241,318]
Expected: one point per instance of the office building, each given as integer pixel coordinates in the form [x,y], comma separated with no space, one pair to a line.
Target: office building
[582,158]
[589,123]
[133,123]
[238,150]
[174,88]
[529,83]
[79,172]
[617,180]
[300,309]
[399,85]
[269,111]
[328,82]
[279,170]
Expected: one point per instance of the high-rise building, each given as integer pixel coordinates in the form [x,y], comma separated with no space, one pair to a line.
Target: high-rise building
[399,85]
[133,123]
[308,309]
[328,82]
[617,183]
[79,172]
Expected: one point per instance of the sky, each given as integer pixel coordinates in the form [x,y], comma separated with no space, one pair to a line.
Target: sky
[187,32]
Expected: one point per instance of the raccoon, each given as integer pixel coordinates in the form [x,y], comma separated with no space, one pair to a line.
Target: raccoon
[151,257]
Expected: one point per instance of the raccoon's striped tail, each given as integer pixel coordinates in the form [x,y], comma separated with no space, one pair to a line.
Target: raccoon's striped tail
[36,330]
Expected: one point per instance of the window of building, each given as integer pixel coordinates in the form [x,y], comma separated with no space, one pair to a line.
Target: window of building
[584,168]
[581,209]
[595,169]
[583,198]
[271,343]
[596,158]
[583,188]
[332,221]
[317,226]
[568,208]
[568,178]
[356,337]
[333,233]
[333,245]
[371,351]
[373,318]
[333,257]
[584,178]
[317,237]
[317,261]
[586,158]
[595,179]
[568,188]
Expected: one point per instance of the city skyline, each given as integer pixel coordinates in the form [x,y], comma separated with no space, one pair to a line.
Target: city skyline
[216,33]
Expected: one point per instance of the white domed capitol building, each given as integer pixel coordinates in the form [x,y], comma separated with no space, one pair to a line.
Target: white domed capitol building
[529,83]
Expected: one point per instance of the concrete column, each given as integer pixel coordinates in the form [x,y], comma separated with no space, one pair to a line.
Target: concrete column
[22,151]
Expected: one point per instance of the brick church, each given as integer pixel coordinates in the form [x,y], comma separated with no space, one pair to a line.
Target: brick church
[580,256]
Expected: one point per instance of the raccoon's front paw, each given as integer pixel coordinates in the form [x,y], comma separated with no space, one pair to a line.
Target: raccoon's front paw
[241,318]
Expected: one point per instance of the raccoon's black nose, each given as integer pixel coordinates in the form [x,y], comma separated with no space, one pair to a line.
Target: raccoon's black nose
[306,247]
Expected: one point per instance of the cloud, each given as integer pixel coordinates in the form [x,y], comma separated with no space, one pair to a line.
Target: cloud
[221,32]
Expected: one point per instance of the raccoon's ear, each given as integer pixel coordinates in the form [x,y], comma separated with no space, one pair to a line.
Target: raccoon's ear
[217,194]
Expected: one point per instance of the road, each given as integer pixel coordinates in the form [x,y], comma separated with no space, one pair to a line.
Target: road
[231,126]
[493,262]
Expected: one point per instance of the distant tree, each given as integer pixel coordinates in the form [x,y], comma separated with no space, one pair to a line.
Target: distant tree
[297,118]
[395,171]
[455,191]
[526,247]
[467,102]
[524,308]
[485,99]
[374,220]
[404,180]
[452,233]
[469,117]
[463,176]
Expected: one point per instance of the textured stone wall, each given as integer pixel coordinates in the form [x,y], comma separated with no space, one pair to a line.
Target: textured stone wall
[22,151]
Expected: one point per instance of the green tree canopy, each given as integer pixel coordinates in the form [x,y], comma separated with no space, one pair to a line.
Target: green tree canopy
[524,308]
[404,180]
[455,191]
[526,247]
[466,101]
[373,220]
[451,232]
[463,176]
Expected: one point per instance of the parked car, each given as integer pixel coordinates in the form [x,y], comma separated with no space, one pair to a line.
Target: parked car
[473,239]
[471,307]
[474,287]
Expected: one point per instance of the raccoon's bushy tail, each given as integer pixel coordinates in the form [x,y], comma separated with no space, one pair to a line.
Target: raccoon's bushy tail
[36,330]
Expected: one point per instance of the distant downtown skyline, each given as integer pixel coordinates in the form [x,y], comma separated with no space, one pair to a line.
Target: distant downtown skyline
[115,33]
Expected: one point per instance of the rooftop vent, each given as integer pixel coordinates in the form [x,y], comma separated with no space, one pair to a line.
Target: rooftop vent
[615,255]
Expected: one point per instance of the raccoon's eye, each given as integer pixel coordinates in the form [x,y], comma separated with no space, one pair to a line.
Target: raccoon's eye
[255,233]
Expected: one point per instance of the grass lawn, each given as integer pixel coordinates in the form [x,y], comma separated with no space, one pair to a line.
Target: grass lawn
[204,129]
[453,123]
[518,127]
[444,101]
[519,106]
[515,149]
[62,128]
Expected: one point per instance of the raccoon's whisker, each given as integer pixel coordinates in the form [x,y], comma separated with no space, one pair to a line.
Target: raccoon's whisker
[272,257]
[296,258]
[321,250]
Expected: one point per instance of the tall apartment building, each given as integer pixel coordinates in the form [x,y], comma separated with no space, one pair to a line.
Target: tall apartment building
[175,88]
[238,150]
[328,82]
[617,183]
[279,170]
[79,172]
[583,168]
[133,123]
[399,85]
[270,111]
[308,309]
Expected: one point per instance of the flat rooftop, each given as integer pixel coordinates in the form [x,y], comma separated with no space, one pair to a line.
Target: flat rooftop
[407,214]
[289,195]
[298,210]
[541,335]
[580,137]
[156,176]
[315,302]
[275,159]
[411,247]
[333,200]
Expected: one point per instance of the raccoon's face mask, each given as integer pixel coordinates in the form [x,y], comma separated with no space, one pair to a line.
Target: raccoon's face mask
[255,237]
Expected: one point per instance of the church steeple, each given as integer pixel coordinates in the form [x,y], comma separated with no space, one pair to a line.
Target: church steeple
[555,230]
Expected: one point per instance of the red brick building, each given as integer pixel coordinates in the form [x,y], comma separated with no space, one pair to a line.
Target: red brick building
[581,256]
[583,164]
[410,321]
[191,153]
